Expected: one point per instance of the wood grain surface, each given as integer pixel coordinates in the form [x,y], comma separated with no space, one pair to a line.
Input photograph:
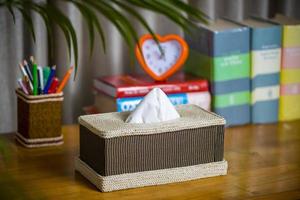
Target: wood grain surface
[264,163]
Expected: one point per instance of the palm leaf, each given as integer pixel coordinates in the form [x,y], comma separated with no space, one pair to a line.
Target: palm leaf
[67,28]
[48,24]
[158,7]
[100,31]
[27,20]
[127,25]
[10,9]
[127,8]
[120,22]
[193,12]
[176,10]
[86,15]
[91,20]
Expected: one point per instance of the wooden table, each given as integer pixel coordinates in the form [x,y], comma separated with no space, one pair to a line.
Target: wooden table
[264,163]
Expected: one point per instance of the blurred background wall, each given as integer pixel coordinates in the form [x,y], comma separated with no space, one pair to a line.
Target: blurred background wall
[16,44]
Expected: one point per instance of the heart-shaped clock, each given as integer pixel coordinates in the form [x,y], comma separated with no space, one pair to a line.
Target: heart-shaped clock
[161,63]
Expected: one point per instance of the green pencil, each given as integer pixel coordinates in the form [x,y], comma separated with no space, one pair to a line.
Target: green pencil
[46,73]
[35,79]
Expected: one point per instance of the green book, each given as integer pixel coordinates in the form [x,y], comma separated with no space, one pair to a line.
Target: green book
[219,52]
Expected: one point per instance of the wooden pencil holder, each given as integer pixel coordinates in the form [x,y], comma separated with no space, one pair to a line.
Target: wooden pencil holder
[39,119]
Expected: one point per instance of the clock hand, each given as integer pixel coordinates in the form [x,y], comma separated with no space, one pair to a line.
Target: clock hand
[161,50]
[162,56]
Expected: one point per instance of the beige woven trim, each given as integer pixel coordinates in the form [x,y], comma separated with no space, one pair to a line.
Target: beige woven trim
[109,125]
[39,98]
[147,178]
[39,142]
[39,145]
[35,140]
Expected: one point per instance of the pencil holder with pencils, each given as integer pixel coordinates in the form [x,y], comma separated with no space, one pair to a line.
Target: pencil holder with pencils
[40,104]
[39,119]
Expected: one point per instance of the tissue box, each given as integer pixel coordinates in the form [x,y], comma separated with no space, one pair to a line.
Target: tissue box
[115,155]
[39,119]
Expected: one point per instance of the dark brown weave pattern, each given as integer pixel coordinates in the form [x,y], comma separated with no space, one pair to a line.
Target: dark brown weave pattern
[39,120]
[128,154]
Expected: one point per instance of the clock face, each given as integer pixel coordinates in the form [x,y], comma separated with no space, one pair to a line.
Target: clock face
[161,63]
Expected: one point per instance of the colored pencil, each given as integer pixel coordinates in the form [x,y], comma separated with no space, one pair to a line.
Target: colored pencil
[65,80]
[41,80]
[35,79]
[46,73]
[51,76]
[24,72]
[53,86]
[22,86]
[27,84]
[28,70]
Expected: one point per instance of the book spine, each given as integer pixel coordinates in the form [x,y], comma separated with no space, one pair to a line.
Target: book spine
[289,108]
[201,99]
[184,87]
[226,63]
[231,68]
[265,69]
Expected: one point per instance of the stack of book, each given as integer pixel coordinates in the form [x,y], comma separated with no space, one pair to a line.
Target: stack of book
[252,66]
[124,92]
[220,52]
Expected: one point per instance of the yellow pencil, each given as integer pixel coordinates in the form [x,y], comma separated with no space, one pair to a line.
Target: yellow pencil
[65,80]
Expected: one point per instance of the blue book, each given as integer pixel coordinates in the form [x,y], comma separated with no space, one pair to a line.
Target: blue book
[201,99]
[105,103]
[220,52]
[265,69]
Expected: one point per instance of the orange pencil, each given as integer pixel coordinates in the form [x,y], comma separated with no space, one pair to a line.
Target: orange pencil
[65,80]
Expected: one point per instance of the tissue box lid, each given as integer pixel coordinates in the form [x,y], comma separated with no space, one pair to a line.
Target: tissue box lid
[110,125]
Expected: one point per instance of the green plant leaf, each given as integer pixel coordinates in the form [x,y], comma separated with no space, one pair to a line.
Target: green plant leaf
[196,13]
[41,10]
[91,20]
[123,21]
[67,28]
[28,21]
[120,22]
[88,19]
[131,11]
[153,6]
[100,31]
[10,9]
[175,10]
[175,13]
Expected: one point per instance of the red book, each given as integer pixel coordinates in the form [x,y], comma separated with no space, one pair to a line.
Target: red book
[139,85]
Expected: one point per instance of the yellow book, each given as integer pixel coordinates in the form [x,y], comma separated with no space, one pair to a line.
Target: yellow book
[289,101]
[291,30]
[288,76]
[289,107]
[291,36]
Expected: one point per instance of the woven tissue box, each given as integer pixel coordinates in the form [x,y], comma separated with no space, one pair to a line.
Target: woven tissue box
[39,119]
[115,155]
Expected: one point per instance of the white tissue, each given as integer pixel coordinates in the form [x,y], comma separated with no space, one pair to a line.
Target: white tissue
[155,107]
